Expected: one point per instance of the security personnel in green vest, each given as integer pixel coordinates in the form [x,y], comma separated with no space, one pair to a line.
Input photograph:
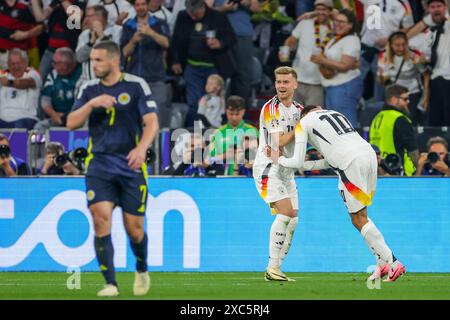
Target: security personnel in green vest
[232,135]
[392,132]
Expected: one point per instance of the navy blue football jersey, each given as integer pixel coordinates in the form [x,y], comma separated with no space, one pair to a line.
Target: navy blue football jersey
[114,133]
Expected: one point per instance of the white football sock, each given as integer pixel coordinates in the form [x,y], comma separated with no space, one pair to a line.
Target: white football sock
[288,240]
[277,237]
[376,243]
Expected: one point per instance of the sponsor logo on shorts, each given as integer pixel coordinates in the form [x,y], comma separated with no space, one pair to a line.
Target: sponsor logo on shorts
[90,195]
[281,190]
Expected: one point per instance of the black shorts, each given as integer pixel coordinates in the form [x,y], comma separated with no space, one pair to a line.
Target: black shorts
[129,193]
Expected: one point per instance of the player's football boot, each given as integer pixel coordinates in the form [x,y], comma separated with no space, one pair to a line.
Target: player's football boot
[395,273]
[141,283]
[379,272]
[108,290]
[275,274]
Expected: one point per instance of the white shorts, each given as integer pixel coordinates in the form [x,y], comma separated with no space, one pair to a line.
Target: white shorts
[272,186]
[357,183]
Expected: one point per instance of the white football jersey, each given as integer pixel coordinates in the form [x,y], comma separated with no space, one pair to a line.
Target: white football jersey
[276,117]
[334,137]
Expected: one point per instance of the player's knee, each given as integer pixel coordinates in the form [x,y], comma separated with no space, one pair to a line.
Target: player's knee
[136,234]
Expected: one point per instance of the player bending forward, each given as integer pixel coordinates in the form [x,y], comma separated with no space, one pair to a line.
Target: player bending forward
[355,162]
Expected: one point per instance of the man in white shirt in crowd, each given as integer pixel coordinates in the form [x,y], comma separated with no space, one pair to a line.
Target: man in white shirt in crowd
[355,162]
[19,92]
[118,10]
[395,15]
[310,37]
[436,34]
[157,9]
[97,30]
[276,184]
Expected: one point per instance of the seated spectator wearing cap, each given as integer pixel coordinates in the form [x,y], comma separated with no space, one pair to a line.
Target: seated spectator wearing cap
[10,166]
[311,36]
[20,86]
[436,161]
[392,132]
[436,30]
[197,56]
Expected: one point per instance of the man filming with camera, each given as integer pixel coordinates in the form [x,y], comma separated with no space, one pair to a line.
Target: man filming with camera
[435,162]
[10,166]
[392,132]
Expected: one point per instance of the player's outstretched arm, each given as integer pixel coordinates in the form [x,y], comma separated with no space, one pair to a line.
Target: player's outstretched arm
[298,159]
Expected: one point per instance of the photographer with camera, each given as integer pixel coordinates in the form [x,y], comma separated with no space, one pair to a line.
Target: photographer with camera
[392,132]
[58,162]
[10,166]
[435,162]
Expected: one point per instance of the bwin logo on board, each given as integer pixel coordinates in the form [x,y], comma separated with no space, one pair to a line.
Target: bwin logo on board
[44,230]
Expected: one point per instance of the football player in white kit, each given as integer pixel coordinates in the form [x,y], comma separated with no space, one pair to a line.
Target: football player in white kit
[274,183]
[355,162]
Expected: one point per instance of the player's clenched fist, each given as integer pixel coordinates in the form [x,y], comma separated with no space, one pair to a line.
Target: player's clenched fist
[136,158]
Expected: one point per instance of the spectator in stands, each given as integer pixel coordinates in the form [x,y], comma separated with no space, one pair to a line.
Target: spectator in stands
[310,37]
[233,133]
[96,30]
[61,31]
[144,41]
[406,67]
[239,14]
[50,166]
[436,29]
[436,161]
[338,66]
[395,16]
[10,166]
[158,10]
[392,131]
[20,86]
[58,93]
[381,170]
[118,10]
[19,28]
[197,56]
[211,106]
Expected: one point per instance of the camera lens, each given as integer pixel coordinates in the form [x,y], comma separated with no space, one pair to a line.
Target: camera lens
[5,151]
[61,160]
[433,157]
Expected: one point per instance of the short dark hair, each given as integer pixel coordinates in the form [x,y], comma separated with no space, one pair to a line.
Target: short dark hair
[308,108]
[55,147]
[435,140]
[109,46]
[395,90]
[99,10]
[235,103]
[351,19]
[3,137]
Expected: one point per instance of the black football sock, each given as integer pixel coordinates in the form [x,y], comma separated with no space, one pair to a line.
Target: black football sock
[140,252]
[105,256]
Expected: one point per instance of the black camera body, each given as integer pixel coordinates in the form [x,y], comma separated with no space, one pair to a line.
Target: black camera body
[76,157]
[5,151]
[392,164]
[434,157]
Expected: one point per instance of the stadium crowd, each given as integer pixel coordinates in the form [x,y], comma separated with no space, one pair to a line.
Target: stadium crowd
[364,58]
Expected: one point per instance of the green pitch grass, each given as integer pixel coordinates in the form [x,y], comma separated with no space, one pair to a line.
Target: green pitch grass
[228,286]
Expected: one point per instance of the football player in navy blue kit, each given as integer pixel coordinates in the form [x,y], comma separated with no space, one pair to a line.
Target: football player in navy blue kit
[122,125]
